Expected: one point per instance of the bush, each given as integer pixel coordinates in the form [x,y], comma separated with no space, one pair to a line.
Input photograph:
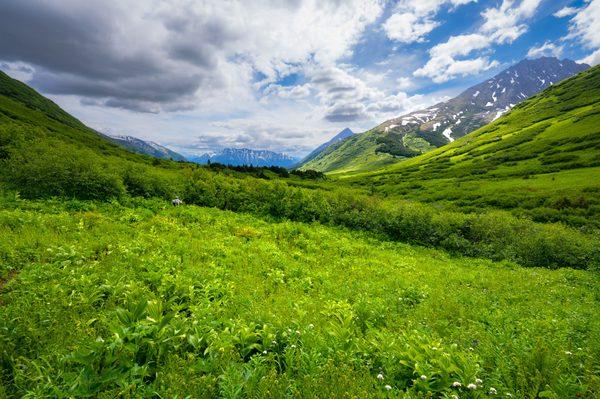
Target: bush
[54,169]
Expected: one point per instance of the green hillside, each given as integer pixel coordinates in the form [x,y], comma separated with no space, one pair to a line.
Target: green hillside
[364,152]
[542,158]
[269,284]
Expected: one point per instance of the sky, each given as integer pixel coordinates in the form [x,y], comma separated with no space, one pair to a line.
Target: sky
[281,75]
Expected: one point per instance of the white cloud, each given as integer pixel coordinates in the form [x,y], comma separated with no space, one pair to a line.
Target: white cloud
[413,20]
[443,64]
[408,28]
[592,59]
[565,12]
[404,83]
[503,24]
[585,25]
[545,50]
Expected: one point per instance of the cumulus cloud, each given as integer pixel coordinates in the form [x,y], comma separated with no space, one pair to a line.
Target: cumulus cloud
[506,23]
[545,50]
[411,21]
[175,54]
[584,27]
[443,64]
[592,59]
[565,12]
[500,25]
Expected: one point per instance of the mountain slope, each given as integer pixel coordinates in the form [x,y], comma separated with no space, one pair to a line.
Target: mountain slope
[423,130]
[27,115]
[151,148]
[246,156]
[542,158]
[344,134]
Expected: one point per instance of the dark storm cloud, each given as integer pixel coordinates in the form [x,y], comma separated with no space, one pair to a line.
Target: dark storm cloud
[81,48]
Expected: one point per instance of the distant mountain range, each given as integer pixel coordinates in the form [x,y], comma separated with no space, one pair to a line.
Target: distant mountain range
[246,156]
[145,147]
[421,131]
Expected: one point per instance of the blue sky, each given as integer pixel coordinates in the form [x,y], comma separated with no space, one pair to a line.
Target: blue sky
[282,75]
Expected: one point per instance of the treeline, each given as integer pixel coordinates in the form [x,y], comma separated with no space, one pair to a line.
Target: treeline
[259,171]
[47,168]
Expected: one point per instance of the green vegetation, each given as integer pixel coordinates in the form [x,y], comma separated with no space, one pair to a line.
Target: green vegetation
[542,161]
[146,300]
[310,289]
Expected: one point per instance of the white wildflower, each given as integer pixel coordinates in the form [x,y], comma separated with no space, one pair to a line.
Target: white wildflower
[472,386]
[388,387]
[298,332]
[493,391]
[380,377]
[478,381]
[568,353]
[456,384]
[264,352]
[423,377]
[293,346]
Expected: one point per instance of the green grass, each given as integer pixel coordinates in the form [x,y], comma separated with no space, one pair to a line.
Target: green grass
[146,300]
[541,161]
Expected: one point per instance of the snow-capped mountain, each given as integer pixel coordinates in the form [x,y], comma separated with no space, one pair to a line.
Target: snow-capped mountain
[485,102]
[145,147]
[336,139]
[246,156]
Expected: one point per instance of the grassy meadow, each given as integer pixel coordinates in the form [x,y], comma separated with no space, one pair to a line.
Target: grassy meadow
[140,299]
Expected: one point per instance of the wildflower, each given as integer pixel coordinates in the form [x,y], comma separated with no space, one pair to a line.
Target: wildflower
[478,381]
[298,332]
[493,391]
[568,353]
[311,325]
[455,397]
[509,394]
[380,377]
[472,386]
[293,346]
[264,352]
[456,384]
[433,348]
[423,377]
[388,387]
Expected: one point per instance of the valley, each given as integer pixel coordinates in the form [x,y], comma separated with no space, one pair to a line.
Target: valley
[445,251]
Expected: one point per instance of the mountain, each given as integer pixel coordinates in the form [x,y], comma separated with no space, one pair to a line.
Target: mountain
[338,138]
[146,147]
[542,159]
[421,131]
[246,156]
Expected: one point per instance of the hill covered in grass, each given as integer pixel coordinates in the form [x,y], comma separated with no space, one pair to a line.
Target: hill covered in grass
[542,158]
[421,131]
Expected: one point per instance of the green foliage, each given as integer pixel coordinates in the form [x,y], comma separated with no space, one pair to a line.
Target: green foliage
[149,300]
[544,150]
